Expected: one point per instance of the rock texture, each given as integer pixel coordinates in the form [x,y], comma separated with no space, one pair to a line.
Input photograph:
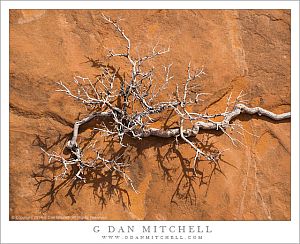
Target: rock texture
[241,50]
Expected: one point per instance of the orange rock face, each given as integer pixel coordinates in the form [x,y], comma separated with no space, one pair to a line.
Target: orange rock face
[245,50]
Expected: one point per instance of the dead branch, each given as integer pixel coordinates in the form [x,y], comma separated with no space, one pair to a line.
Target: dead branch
[141,99]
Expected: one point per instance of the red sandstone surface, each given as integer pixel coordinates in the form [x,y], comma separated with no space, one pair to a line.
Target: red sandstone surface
[245,50]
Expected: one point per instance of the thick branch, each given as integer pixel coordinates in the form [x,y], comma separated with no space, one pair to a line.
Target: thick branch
[264,112]
[73,142]
[200,125]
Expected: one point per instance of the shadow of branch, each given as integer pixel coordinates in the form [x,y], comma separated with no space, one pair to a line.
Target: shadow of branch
[106,183]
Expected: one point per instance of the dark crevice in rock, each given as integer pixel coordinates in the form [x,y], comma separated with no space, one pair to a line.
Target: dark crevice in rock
[35,115]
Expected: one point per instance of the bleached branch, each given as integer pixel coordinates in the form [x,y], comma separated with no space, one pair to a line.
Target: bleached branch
[139,99]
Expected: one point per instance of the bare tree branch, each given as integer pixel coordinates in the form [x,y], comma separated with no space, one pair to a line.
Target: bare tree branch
[130,103]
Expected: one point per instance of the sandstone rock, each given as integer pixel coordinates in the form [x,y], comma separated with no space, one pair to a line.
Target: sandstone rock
[241,50]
